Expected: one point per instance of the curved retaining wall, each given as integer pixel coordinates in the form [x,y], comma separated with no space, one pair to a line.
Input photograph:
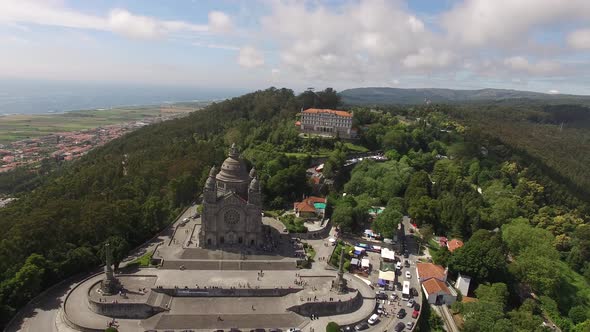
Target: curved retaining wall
[329,308]
[137,310]
[317,234]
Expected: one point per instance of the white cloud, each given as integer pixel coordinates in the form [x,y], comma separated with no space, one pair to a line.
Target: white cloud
[220,22]
[250,57]
[579,39]
[428,58]
[217,46]
[362,40]
[119,21]
[521,64]
[553,92]
[480,22]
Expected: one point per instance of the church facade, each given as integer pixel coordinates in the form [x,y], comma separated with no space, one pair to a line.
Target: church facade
[232,206]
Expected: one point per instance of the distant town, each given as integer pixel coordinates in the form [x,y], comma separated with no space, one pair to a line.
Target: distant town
[65,145]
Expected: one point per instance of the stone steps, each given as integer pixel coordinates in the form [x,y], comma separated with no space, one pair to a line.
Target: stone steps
[230,265]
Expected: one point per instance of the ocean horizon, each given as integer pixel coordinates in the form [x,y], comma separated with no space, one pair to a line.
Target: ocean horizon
[44,97]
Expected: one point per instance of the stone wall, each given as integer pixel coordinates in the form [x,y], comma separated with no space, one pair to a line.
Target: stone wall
[329,308]
[228,292]
[124,310]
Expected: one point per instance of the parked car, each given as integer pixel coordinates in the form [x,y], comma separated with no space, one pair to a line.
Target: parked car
[406,254]
[399,327]
[361,326]
[409,325]
[381,296]
[415,314]
[416,306]
[347,329]
[408,275]
[402,313]
[398,265]
[374,319]
[294,329]
[411,303]
[407,263]
[414,291]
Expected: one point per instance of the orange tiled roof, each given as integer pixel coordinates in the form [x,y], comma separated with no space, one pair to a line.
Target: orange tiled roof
[307,204]
[433,286]
[304,207]
[298,123]
[322,110]
[429,270]
[454,244]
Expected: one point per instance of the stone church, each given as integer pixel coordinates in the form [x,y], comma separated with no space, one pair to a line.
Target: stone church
[232,205]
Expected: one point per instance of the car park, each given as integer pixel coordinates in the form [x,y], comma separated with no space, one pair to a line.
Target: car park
[374,319]
[401,313]
[399,327]
[361,326]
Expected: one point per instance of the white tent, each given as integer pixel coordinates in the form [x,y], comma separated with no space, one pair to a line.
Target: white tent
[387,254]
[365,262]
[389,275]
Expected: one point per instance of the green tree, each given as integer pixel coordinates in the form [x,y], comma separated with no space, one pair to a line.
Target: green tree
[483,257]
[332,327]
[578,314]
[387,221]
[496,293]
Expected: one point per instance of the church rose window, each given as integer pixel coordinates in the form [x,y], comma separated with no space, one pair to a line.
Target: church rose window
[231,217]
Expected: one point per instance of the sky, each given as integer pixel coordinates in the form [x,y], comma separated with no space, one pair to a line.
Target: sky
[537,45]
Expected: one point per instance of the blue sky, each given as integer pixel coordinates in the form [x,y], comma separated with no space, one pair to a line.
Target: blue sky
[539,45]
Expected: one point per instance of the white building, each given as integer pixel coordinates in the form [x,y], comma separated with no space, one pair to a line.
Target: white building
[462,284]
[327,122]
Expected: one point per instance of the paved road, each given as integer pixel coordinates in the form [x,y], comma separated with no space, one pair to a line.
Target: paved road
[41,314]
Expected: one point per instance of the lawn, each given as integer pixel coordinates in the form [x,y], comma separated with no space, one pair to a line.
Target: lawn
[144,260]
[355,148]
[293,224]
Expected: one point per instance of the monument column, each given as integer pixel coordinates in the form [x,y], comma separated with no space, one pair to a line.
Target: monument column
[109,284]
[341,283]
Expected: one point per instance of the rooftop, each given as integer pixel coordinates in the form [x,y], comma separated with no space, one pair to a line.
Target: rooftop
[433,286]
[429,270]
[454,244]
[322,110]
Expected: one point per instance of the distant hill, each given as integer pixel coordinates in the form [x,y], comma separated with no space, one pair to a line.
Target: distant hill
[382,96]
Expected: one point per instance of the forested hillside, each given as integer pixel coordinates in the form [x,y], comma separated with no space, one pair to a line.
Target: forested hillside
[129,189]
[526,233]
[490,175]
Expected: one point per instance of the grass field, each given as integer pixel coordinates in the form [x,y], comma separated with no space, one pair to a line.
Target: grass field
[18,127]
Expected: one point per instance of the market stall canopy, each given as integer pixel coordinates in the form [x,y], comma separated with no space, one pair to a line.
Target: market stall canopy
[389,275]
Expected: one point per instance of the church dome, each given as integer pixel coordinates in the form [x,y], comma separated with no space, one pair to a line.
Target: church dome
[233,168]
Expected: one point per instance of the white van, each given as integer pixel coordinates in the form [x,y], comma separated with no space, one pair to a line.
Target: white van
[373,319]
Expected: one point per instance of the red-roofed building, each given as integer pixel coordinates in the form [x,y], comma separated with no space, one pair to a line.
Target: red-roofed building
[437,292]
[454,244]
[310,207]
[427,271]
[327,122]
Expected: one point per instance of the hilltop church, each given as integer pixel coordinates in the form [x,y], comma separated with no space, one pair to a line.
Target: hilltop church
[232,206]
